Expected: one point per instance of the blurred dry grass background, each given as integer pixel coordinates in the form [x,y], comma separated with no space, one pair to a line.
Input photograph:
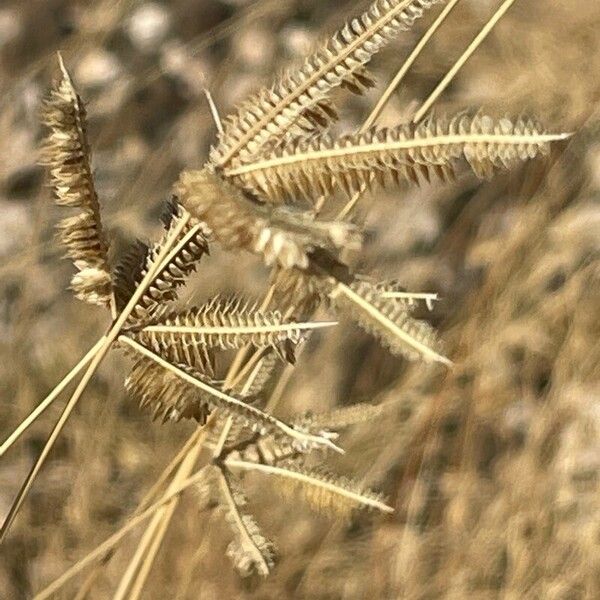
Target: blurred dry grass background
[494,467]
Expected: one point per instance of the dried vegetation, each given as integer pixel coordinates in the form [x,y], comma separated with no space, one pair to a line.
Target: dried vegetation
[488,461]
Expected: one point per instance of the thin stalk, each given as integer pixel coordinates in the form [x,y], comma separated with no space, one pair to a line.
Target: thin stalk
[115,538]
[49,399]
[443,84]
[155,527]
[111,336]
[393,85]
[218,450]
[223,438]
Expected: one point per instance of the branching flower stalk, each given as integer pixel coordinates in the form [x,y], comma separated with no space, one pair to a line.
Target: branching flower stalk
[269,175]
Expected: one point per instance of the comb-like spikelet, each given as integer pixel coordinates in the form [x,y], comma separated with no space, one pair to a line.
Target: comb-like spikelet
[263,375]
[164,394]
[311,167]
[323,491]
[250,551]
[67,154]
[223,324]
[238,407]
[283,236]
[388,320]
[128,272]
[190,246]
[345,416]
[274,448]
[298,94]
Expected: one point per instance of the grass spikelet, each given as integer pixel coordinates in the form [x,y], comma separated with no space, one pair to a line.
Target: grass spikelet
[296,99]
[67,155]
[316,166]
[388,320]
[225,325]
[323,491]
[250,551]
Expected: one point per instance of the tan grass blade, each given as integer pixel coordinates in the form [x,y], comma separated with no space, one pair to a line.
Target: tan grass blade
[324,491]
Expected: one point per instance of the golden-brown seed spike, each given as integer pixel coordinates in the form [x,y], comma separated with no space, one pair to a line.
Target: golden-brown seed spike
[222,325]
[429,148]
[152,386]
[324,491]
[340,61]
[191,245]
[388,320]
[250,551]
[252,416]
[283,235]
[66,153]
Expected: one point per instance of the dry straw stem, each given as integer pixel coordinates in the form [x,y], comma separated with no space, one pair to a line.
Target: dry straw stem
[110,337]
[105,547]
[457,66]
[147,547]
[49,399]
[395,82]
[158,527]
[298,103]
[145,503]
